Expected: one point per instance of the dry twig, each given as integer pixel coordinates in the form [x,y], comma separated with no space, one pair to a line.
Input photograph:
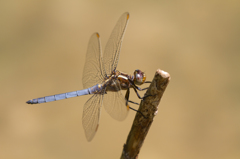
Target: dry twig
[149,108]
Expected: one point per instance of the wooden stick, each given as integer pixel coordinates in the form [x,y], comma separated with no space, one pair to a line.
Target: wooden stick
[149,108]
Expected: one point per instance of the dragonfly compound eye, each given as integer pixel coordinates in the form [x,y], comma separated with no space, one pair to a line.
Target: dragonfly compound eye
[139,77]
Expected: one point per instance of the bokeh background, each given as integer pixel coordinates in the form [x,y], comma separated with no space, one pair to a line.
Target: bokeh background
[42,52]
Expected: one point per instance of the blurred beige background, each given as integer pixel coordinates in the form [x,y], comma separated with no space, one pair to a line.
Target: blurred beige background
[42,52]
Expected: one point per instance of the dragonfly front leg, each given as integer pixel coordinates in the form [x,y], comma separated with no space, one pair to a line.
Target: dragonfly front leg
[137,93]
[146,87]
[142,89]
[137,88]
[148,82]
[134,86]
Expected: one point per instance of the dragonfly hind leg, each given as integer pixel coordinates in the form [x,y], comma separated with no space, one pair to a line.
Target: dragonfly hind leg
[127,100]
[133,102]
[138,112]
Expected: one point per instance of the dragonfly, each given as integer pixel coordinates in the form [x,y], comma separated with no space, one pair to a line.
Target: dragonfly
[102,80]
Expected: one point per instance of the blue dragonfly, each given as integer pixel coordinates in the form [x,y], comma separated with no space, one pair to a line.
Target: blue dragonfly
[103,81]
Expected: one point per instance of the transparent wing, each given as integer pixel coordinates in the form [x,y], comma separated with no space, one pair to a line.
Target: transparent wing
[91,115]
[113,47]
[93,72]
[115,103]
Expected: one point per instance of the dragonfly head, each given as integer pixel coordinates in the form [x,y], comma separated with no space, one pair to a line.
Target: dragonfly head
[139,77]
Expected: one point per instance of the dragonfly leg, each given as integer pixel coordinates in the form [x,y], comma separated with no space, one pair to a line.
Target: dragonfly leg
[148,82]
[137,93]
[133,102]
[147,96]
[138,88]
[144,88]
[138,112]
[127,98]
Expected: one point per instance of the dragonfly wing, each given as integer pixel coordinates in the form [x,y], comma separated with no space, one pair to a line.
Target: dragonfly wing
[113,47]
[115,103]
[93,70]
[91,115]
